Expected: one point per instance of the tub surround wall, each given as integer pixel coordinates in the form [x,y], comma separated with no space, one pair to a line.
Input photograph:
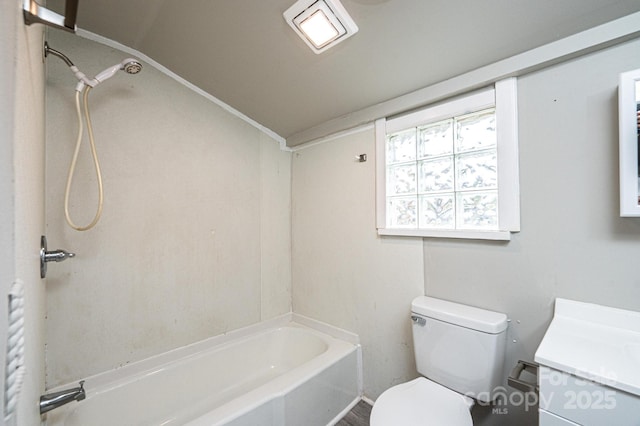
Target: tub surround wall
[194,237]
[573,243]
[275,229]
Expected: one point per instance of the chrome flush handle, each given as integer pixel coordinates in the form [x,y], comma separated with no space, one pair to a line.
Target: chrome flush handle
[418,320]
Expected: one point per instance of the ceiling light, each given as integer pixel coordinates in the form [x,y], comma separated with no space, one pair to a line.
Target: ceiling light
[320,23]
[319,29]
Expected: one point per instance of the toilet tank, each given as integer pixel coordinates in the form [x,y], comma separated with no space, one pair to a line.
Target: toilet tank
[459,346]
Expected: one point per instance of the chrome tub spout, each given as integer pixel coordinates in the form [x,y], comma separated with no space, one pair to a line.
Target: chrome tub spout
[56,399]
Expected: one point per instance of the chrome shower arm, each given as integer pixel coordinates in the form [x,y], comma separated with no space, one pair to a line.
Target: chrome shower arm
[84,81]
[49,50]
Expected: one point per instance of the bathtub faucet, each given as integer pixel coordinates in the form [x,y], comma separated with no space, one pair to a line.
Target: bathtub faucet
[56,399]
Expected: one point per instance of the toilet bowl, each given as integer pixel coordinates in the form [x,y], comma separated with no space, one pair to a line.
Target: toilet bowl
[421,402]
[459,350]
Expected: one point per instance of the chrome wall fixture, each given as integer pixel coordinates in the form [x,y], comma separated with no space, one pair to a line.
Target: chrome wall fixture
[37,14]
[57,399]
[50,256]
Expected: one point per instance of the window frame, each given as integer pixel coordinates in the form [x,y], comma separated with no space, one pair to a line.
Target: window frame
[502,96]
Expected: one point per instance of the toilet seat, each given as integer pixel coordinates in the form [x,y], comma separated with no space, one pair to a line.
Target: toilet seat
[421,402]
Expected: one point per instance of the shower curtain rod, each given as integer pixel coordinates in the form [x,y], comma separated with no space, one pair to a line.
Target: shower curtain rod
[37,14]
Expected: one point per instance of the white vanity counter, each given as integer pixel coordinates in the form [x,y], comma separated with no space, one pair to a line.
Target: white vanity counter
[590,366]
[594,342]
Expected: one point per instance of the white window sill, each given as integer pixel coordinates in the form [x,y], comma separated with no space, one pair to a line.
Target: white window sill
[437,233]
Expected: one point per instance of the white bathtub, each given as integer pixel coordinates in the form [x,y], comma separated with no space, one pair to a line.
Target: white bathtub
[276,373]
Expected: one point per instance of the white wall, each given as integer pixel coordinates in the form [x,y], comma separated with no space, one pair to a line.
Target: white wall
[573,243]
[194,239]
[343,273]
[21,193]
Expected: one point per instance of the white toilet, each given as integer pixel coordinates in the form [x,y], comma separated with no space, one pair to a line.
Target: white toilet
[460,350]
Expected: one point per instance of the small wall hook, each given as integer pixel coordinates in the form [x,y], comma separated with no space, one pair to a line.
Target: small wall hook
[361,158]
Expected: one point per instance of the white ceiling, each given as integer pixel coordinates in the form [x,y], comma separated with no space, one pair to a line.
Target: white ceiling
[243,53]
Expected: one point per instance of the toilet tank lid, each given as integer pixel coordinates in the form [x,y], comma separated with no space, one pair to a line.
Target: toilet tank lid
[462,315]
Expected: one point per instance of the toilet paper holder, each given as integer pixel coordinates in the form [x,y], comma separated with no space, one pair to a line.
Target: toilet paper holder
[515,381]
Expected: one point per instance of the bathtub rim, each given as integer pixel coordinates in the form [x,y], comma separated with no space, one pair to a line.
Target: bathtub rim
[283,385]
[119,376]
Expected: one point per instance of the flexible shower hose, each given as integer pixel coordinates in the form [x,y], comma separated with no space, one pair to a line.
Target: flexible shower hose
[74,160]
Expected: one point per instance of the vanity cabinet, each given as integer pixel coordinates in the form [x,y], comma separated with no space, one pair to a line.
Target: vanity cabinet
[566,399]
[549,419]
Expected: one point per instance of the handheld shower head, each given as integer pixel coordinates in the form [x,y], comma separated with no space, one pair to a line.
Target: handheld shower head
[130,66]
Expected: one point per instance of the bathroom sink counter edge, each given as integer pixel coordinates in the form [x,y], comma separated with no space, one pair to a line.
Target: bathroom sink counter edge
[594,342]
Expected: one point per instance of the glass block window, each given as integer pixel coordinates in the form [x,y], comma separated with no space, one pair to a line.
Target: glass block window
[444,174]
[450,170]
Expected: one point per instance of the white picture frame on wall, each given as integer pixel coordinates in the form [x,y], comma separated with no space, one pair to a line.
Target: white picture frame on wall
[628,101]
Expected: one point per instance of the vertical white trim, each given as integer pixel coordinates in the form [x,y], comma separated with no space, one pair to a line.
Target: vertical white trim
[381,174]
[508,167]
[628,134]
[360,366]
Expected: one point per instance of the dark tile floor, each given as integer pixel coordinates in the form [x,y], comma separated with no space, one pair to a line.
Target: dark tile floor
[358,416]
